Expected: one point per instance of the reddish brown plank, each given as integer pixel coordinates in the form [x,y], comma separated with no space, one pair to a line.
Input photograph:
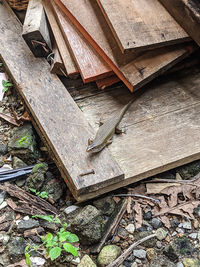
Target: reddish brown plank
[106,82]
[90,64]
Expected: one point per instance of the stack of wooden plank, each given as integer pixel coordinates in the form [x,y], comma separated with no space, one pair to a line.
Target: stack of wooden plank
[108,41]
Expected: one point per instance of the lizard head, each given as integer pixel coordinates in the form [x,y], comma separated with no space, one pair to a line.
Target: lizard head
[93,147]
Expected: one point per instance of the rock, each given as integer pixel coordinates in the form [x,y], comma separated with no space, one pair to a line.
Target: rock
[16,248]
[36,178]
[3,149]
[28,224]
[189,170]
[4,260]
[147,244]
[22,144]
[171,252]
[37,261]
[134,264]
[179,264]
[161,234]
[18,163]
[108,254]
[3,205]
[54,188]
[191,262]
[161,261]
[174,223]
[130,228]
[106,205]
[158,244]
[187,225]
[151,254]
[147,215]
[4,238]
[87,224]
[70,209]
[193,235]
[174,233]
[122,233]
[196,224]
[140,253]
[156,223]
[2,196]
[76,261]
[197,211]
[86,261]
[127,264]
[131,258]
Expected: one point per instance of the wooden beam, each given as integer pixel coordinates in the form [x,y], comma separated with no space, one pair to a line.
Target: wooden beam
[187,14]
[106,82]
[56,116]
[35,29]
[67,59]
[132,69]
[57,66]
[137,28]
[91,65]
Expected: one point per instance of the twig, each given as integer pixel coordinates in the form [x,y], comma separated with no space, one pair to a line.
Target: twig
[139,196]
[127,252]
[172,181]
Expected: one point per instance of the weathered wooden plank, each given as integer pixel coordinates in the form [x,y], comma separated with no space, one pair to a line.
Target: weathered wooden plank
[106,82]
[57,117]
[35,29]
[136,27]
[140,69]
[67,59]
[157,126]
[91,65]
[187,14]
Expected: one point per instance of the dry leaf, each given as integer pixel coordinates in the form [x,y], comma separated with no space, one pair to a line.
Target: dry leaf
[9,119]
[157,188]
[140,189]
[21,263]
[165,221]
[129,204]
[138,215]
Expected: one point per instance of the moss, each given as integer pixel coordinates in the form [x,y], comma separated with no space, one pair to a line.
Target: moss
[38,166]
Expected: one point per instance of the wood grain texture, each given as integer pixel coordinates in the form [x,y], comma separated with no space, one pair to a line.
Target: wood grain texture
[157,125]
[67,59]
[35,29]
[57,66]
[91,65]
[187,14]
[91,23]
[106,82]
[56,116]
[136,27]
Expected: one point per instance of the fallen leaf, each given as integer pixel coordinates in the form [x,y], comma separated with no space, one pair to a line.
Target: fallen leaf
[138,215]
[9,119]
[165,220]
[21,263]
[140,189]
[157,188]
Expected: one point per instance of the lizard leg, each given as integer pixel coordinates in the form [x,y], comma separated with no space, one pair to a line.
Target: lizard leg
[90,141]
[109,141]
[119,129]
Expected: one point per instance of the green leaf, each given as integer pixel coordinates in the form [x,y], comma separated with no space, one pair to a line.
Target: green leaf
[70,249]
[48,218]
[49,237]
[72,238]
[63,236]
[44,194]
[54,253]
[57,220]
[28,261]
[32,190]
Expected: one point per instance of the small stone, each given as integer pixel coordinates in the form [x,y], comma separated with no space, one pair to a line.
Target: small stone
[134,264]
[161,234]
[2,196]
[70,209]
[4,238]
[18,163]
[147,244]
[147,216]
[174,233]
[158,244]
[108,254]
[131,258]
[138,261]
[122,233]
[174,223]
[161,261]
[37,177]
[156,223]
[193,235]
[187,225]
[3,205]
[151,253]
[28,224]
[16,248]
[3,149]
[179,264]
[181,231]
[125,244]
[140,253]
[76,261]
[86,261]
[198,235]
[106,205]
[116,239]
[191,262]
[130,228]
[37,261]
[26,218]
[196,224]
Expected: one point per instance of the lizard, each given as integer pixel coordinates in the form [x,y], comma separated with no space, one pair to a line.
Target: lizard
[106,131]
